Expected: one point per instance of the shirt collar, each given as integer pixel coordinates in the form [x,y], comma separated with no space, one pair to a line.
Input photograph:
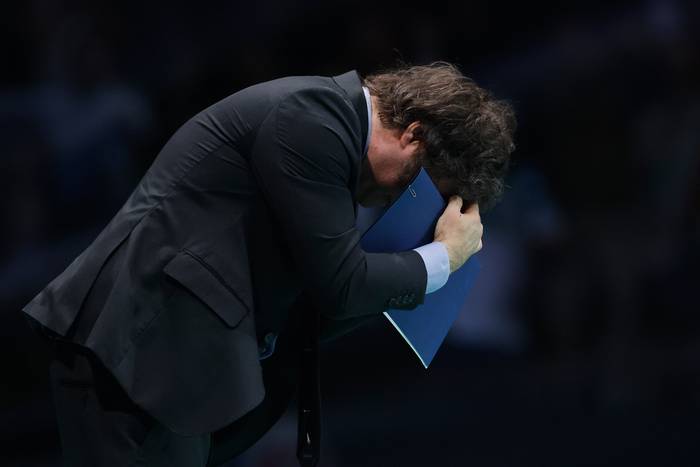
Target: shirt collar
[368,99]
[351,84]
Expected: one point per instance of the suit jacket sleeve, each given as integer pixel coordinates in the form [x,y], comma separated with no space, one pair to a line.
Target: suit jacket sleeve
[302,159]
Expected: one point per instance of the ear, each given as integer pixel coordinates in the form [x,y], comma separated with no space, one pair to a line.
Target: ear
[408,137]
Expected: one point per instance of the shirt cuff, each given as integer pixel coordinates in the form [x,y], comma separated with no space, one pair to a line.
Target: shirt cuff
[437,264]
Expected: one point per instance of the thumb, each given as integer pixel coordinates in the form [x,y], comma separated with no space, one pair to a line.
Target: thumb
[455,203]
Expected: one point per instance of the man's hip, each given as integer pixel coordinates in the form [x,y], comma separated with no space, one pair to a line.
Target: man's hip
[100,426]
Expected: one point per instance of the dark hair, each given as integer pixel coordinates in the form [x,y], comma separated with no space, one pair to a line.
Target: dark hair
[466,134]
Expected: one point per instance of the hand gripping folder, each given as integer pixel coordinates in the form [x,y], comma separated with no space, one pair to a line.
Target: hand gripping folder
[406,224]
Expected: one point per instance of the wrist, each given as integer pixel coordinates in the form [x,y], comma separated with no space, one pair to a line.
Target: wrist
[450,255]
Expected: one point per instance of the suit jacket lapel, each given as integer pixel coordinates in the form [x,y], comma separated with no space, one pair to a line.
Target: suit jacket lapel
[352,85]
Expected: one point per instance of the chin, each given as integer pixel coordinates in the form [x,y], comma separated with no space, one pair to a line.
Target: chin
[391,185]
[376,201]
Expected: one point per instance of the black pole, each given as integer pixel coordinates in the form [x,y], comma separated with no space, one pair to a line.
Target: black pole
[309,416]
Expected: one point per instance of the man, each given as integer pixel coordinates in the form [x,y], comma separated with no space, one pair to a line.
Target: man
[163,325]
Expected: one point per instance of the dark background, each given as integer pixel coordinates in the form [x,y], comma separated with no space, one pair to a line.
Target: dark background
[581,343]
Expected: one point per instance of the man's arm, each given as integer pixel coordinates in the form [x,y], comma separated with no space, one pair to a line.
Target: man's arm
[302,160]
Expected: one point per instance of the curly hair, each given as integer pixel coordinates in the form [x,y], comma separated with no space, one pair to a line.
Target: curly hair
[466,134]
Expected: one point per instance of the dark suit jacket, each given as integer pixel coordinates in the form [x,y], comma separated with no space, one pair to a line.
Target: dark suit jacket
[250,202]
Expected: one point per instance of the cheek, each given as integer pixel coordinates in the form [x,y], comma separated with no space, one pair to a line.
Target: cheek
[395,170]
[410,168]
[400,176]
[389,173]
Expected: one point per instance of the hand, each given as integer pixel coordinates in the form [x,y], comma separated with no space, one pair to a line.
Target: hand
[460,232]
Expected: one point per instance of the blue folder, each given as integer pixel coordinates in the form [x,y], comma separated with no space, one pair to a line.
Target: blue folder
[409,223]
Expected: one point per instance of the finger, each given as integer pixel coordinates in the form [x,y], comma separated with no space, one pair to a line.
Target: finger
[455,203]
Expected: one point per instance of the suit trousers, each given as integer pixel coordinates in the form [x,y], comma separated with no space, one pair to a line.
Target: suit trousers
[99,425]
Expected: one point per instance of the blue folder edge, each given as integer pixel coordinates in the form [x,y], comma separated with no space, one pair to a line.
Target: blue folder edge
[408,223]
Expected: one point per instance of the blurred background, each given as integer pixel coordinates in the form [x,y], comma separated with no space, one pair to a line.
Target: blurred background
[581,343]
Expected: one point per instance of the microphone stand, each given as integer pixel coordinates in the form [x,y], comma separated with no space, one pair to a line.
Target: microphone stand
[309,416]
